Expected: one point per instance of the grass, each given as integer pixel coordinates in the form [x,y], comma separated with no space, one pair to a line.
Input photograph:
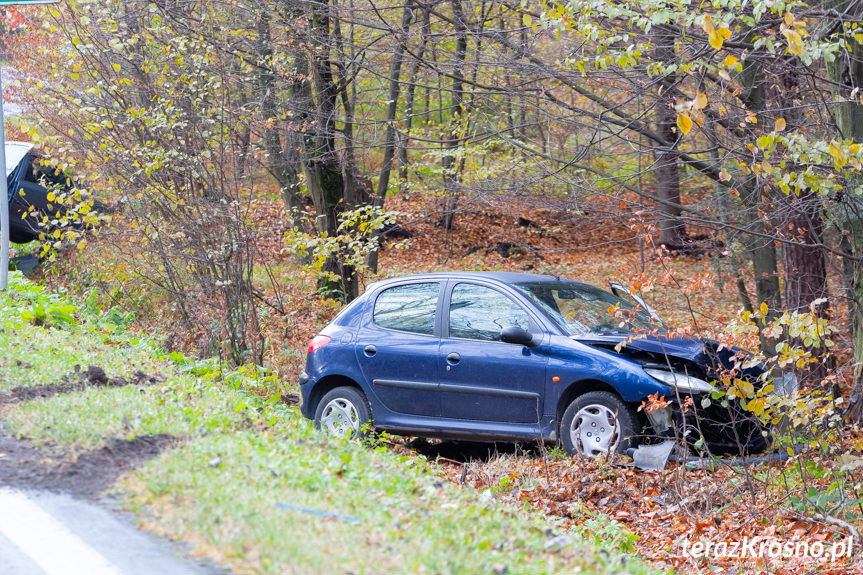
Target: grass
[87,420]
[37,355]
[250,479]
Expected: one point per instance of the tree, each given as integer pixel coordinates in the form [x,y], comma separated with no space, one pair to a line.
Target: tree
[117,106]
[846,73]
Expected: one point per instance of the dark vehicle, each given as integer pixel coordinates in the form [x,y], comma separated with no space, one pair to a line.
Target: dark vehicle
[494,356]
[25,177]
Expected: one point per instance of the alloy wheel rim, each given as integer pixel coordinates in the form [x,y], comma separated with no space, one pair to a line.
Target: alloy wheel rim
[340,418]
[594,430]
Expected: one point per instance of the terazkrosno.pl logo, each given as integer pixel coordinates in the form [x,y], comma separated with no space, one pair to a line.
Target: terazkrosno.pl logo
[768,548]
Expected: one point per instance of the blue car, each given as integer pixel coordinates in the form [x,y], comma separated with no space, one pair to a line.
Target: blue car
[28,181]
[495,356]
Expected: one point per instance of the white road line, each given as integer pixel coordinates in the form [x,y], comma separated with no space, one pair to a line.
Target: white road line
[46,541]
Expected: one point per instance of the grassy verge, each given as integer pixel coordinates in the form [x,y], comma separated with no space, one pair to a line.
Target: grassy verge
[250,483]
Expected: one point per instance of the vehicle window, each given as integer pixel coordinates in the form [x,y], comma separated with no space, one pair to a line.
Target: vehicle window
[408,307]
[43,174]
[581,308]
[478,312]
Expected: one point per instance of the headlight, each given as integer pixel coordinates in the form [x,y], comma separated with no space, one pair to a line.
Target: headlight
[680,381]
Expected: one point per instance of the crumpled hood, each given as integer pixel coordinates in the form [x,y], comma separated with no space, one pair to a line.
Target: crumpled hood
[704,353]
[685,348]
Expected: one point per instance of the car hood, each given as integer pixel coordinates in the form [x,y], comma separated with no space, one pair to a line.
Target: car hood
[684,348]
[659,349]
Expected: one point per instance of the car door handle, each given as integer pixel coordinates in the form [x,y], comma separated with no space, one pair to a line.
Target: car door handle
[370,350]
[453,358]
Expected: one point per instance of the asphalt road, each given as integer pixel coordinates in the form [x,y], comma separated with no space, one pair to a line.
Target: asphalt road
[44,533]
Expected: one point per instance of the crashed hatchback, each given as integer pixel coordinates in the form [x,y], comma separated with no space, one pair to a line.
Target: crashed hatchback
[29,184]
[494,356]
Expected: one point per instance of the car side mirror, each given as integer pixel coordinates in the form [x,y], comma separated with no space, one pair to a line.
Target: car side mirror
[516,335]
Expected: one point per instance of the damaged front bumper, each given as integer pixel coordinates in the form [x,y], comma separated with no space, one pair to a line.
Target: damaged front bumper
[715,429]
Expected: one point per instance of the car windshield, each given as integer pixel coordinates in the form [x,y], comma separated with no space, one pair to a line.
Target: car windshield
[580,308]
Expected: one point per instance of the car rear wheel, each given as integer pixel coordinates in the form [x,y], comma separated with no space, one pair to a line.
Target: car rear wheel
[598,423]
[344,412]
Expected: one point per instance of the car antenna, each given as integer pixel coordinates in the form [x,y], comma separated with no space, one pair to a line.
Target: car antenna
[554,275]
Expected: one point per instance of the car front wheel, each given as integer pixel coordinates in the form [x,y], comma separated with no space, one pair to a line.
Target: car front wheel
[598,423]
[344,412]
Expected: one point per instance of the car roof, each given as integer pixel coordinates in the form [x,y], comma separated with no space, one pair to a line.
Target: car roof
[503,277]
[15,152]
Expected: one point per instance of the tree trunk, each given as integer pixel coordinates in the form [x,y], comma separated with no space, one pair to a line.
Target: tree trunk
[409,102]
[799,219]
[392,107]
[321,163]
[854,287]
[450,180]
[805,265]
[761,250]
[283,162]
[672,231]
[846,72]
[392,110]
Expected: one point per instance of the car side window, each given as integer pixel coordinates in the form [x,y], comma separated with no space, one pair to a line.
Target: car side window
[408,307]
[478,312]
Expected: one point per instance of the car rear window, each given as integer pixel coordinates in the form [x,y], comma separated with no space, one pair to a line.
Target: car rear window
[409,307]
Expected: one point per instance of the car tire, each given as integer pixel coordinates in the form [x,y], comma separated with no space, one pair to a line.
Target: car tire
[344,412]
[583,426]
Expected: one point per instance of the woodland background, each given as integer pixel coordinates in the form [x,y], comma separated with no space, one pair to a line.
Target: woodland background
[264,161]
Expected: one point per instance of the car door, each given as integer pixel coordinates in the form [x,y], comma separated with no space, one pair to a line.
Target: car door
[397,347]
[484,378]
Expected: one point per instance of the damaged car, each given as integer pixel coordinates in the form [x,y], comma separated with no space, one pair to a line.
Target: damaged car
[497,356]
[30,183]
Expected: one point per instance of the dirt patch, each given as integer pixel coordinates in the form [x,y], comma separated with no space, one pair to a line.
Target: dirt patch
[290,399]
[86,476]
[93,376]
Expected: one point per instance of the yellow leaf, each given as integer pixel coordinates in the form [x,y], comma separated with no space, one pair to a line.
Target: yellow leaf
[744,388]
[708,25]
[839,158]
[718,37]
[779,124]
[763,309]
[756,406]
[684,123]
[526,19]
[700,102]
[730,61]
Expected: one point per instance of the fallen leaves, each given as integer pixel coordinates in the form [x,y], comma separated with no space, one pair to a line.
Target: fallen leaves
[662,510]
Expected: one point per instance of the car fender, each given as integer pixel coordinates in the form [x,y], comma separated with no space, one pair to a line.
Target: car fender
[574,363]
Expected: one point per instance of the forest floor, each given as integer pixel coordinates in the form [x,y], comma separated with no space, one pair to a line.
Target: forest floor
[653,514]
